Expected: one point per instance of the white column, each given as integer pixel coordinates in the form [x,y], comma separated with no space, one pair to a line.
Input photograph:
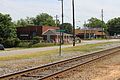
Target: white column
[48,38]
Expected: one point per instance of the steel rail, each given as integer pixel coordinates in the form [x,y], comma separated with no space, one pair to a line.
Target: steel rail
[51,70]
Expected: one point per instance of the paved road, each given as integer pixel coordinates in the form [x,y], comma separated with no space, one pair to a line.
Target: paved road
[34,50]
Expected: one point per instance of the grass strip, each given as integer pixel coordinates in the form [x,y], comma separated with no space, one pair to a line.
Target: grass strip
[81,48]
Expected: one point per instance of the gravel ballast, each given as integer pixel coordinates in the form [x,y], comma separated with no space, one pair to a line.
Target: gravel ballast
[18,65]
[107,68]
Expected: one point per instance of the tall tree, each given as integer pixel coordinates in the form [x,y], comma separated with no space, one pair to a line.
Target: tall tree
[29,20]
[21,23]
[96,23]
[39,20]
[24,22]
[44,19]
[67,27]
[8,35]
[7,28]
[114,26]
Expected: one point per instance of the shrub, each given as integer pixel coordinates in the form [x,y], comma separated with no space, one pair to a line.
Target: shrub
[24,44]
[8,43]
[37,39]
[1,40]
[17,42]
[11,42]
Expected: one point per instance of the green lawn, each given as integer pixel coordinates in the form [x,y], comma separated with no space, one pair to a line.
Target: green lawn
[38,45]
[82,48]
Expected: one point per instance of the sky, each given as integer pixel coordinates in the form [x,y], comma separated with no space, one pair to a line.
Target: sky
[84,9]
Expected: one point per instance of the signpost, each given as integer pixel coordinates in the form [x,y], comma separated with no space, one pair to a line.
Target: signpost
[61,31]
[58,30]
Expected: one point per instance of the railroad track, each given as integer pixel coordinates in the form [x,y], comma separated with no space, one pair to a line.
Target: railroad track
[52,71]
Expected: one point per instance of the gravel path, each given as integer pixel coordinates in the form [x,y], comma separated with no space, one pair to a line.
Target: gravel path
[107,68]
[34,50]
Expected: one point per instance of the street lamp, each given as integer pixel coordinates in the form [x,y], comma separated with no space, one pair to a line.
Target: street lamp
[73,22]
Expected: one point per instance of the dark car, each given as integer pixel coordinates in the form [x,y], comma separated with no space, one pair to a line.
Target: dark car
[2,47]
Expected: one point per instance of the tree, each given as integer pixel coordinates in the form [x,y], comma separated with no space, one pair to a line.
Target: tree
[96,23]
[41,19]
[21,23]
[24,22]
[44,19]
[7,31]
[67,27]
[29,20]
[7,28]
[114,26]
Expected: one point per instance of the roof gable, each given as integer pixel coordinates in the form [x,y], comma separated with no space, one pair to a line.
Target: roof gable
[51,32]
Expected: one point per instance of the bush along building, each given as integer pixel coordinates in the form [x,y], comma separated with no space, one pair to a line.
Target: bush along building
[48,33]
[89,33]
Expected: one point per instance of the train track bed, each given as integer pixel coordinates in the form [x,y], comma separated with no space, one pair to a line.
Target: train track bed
[106,68]
[11,66]
[57,69]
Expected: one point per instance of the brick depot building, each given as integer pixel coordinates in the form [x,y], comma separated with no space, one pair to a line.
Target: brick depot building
[48,33]
[27,33]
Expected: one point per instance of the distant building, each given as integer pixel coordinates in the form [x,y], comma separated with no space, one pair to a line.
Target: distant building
[28,32]
[48,33]
[54,36]
[90,33]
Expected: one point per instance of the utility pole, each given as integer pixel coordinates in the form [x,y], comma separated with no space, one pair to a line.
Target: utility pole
[62,21]
[73,22]
[62,4]
[61,33]
[62,10]
[85,29]
[102,15]
[56,20]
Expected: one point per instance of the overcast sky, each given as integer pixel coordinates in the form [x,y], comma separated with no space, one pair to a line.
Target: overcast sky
[84,9]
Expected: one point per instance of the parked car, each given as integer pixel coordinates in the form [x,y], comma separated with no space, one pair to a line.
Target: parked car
[2,47]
